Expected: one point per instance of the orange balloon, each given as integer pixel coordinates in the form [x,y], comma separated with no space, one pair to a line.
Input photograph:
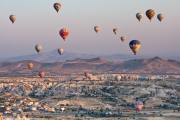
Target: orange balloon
[150,14]
[30,66]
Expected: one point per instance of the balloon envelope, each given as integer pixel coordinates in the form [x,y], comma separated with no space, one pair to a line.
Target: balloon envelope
[150,14]
[97,29]
[139,106]
[12,18]
[57,7]
[41,74]
[60,51]
[38,48]
[64,33]
[123,38]
[135,46]
[30,66]
[86,74]
[160,17]
[139,16]
[115,30]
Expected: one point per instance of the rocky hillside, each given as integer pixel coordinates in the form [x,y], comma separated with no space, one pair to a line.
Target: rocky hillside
[154,65]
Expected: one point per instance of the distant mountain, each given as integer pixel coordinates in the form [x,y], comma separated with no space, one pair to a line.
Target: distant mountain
[53,56]
[154,65]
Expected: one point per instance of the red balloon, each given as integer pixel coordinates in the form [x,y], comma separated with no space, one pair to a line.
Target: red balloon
[41,74]
[64,33]
[139,106]
[86,74]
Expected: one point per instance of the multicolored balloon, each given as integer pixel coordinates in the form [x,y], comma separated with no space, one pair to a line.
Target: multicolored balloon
[150,14]
[135,46]
[160,17]
[64,33]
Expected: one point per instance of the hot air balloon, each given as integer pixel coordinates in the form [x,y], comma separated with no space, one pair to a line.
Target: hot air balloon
[41,74]
[150,14]
[97,29]
[30,66]
[57,7]
[160,17]
[139,16]
[135,46]
[123,38]
[12,18]
[64,33]
[60,51]
[115,30]
[139,106]
[38,48]
[86,74]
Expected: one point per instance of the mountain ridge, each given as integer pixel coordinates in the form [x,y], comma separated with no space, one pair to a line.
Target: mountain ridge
[53,56]
[154,65]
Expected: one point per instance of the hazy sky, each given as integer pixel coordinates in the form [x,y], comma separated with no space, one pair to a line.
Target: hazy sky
[37,22]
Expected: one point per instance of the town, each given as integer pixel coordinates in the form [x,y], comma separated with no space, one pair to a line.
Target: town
[90,96]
